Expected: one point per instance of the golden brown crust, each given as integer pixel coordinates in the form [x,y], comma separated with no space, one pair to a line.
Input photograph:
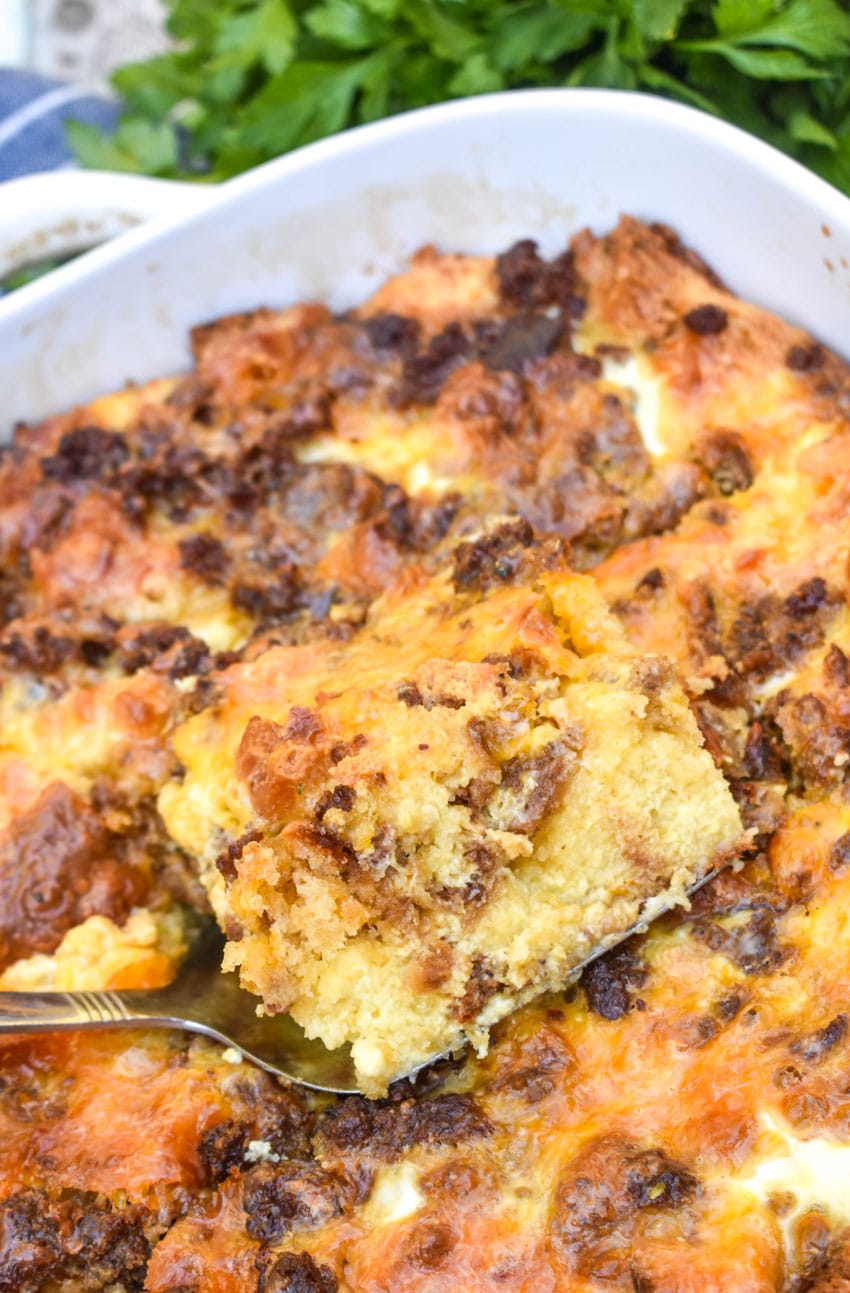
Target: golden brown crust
[679,1120]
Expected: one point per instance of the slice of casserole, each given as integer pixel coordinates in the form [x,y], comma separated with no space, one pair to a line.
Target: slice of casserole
[409,833]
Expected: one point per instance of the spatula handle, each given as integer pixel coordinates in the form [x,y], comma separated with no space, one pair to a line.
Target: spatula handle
[30,1012]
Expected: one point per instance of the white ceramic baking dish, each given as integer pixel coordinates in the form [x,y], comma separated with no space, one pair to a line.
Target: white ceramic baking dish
[333,220]
[60,213]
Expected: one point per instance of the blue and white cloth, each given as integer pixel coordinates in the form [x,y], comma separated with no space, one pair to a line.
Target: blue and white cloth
[33,112]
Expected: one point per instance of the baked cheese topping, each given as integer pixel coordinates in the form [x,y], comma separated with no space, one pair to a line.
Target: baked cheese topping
[801,1175]
[462,453]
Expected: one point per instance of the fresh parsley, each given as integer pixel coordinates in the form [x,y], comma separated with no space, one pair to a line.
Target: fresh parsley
[250,79]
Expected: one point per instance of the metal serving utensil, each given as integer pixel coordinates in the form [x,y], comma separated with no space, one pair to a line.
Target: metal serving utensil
[201,1000]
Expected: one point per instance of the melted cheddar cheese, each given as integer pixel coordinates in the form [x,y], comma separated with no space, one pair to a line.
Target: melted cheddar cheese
[483,441]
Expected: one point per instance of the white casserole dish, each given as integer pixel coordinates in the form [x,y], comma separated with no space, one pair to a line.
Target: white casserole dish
[331,221]
[60,213]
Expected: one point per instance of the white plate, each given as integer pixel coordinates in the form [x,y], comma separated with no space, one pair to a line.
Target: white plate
[331,221]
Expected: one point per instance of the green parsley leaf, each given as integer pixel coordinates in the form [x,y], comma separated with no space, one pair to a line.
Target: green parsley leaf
[314,100]
[803,126]
[345,24]
[606,68]
[527,33]
[770,64]
[249,79]
[137,145]
[817,28]
[264,35]
[382,8]
[477,76]
[659,19]
[736,17]
[654,78]
[446,36]
[154,87]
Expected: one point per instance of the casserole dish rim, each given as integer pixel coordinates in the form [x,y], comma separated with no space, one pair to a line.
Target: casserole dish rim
[34,321]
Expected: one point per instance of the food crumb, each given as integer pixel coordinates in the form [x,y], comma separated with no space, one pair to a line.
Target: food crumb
[260,1151]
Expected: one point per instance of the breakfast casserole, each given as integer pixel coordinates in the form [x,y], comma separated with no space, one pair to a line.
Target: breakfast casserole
[429,648]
